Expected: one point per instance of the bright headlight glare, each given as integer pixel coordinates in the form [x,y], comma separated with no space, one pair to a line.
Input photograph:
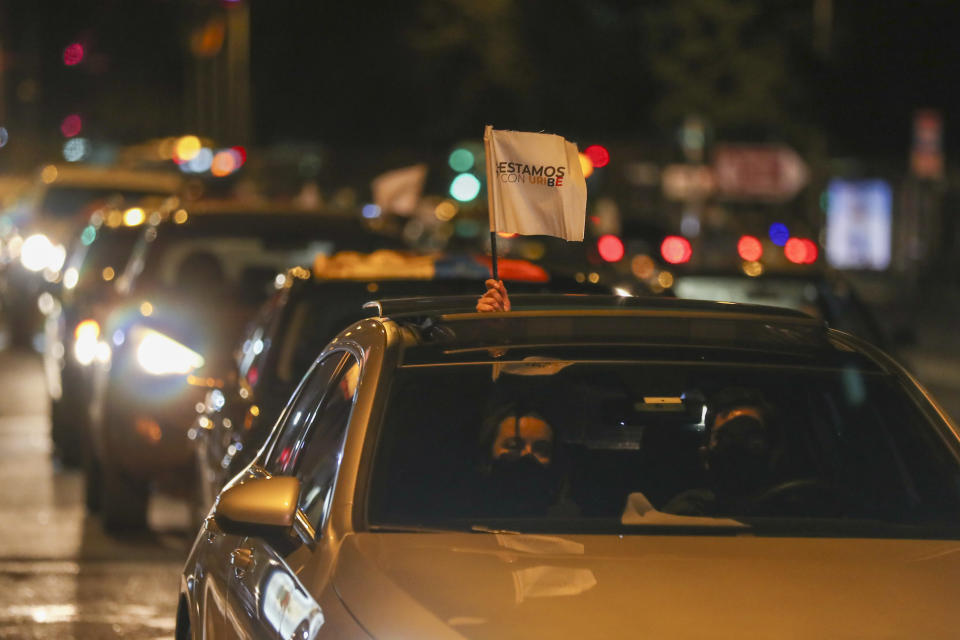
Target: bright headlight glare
[38,253]
[70,278]
[103,352]
[58,255]
[86,342]
[159,355]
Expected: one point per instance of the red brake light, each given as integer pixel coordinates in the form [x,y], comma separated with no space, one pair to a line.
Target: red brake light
[610,248]
[676,249]
[750,248]
[801,250]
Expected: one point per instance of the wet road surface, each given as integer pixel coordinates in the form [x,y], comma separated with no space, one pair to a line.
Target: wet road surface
[61,576]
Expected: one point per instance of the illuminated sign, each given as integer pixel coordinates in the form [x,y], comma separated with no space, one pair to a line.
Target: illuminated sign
[859,217]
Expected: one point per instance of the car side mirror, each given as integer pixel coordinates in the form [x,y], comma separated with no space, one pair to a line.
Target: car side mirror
[259,507]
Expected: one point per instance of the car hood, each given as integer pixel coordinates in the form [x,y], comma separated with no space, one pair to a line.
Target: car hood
[481,586]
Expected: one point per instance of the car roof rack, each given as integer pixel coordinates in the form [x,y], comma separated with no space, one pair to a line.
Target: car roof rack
[422,307]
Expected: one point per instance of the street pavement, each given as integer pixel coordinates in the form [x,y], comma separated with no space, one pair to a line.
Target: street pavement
[932,312]
[61,576]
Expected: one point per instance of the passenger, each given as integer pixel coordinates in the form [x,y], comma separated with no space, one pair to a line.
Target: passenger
[738,457]
[519,447]
[524,475]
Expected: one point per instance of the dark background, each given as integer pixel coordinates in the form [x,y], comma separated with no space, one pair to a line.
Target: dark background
[381,74]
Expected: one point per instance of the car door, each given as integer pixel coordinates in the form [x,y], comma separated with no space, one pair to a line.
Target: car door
[265,596]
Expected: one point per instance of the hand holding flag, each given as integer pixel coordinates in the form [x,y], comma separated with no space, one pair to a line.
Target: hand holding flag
[495,299]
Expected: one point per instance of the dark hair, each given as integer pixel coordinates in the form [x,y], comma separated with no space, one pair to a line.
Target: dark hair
[496,415]
[734,397]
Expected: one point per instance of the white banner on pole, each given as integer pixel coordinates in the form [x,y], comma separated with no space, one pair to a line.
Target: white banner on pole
[535,184]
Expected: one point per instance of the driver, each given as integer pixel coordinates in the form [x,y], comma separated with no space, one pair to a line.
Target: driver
[737,457]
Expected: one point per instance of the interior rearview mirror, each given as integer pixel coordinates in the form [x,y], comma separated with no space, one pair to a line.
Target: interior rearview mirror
[258,506]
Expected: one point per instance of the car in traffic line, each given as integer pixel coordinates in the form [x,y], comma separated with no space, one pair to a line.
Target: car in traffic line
[44,222]
[306,313]
[72,337]
[589,467]
[191,284]
[822,293]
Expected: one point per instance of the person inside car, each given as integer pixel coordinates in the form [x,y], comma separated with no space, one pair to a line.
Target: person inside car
[738,457]
[522,475]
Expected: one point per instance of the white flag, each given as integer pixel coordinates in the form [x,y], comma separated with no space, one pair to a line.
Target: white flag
[399,191]
[535,184]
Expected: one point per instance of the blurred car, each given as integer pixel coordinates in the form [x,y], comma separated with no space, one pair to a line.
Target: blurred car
[191,284]
[822,294]
[51,214]
[72,339]
[295,324]
[398,495]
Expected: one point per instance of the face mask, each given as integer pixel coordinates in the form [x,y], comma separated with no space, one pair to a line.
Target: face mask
[520,483]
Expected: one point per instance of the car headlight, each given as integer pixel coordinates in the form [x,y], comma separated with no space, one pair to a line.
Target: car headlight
[86,338]
[160,354]
[38,253]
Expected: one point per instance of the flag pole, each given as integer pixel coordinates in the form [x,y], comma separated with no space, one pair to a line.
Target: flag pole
[487,133]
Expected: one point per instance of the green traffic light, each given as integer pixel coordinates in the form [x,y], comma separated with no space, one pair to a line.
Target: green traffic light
[461,160]
[465,187]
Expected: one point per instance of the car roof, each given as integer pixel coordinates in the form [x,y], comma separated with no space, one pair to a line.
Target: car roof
[119,178]
[440,307]
[448,329]
[263,219]
[256,206]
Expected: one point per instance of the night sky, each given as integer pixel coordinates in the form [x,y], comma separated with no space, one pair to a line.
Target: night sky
[429,73]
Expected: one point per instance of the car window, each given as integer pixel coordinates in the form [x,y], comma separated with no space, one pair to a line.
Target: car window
[322,451]
[286,450]
[99,256]
[256,340]
[569,446]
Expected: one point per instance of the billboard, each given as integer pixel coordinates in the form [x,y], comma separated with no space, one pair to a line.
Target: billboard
[859,218]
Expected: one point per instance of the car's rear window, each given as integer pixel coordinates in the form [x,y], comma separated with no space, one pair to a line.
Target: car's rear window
[242,252]
[627,448]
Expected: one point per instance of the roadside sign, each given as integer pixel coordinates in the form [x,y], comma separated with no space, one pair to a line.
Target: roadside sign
[758,172]
[687,181]
[859,224]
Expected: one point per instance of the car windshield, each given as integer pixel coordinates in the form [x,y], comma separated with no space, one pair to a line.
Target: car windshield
[543,445]
[101,254]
